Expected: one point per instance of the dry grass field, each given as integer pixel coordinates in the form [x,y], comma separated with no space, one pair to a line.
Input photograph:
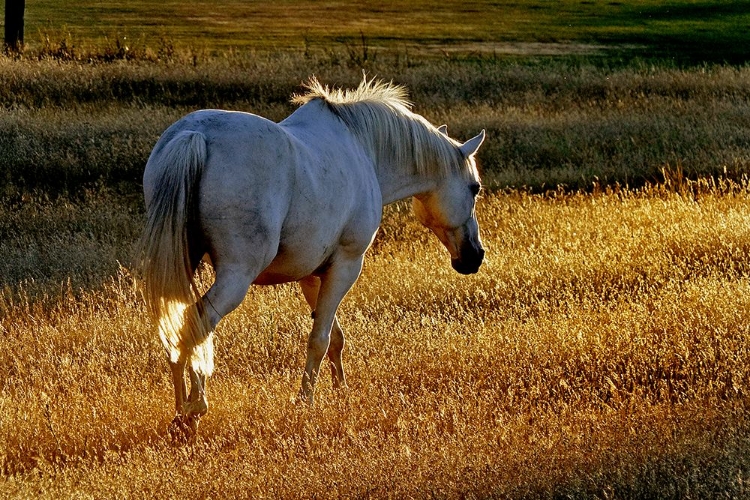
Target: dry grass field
[601,351]
[70,125]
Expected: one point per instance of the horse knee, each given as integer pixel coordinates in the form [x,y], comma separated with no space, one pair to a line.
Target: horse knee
[318,345]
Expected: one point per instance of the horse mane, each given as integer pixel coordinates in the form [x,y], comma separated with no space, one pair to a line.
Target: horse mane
[379,114]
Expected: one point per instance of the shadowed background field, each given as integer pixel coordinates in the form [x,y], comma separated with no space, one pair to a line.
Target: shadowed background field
[602,351]
[619,103]
[68,125]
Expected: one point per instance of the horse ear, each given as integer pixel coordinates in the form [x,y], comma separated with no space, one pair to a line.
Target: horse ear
[443,129]
[471,146]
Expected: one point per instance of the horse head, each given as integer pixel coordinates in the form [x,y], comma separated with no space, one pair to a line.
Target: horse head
[448,210]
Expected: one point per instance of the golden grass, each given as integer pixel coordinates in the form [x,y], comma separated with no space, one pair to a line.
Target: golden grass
[602,351]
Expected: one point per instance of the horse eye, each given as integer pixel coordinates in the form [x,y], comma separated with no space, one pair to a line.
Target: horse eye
[474,188]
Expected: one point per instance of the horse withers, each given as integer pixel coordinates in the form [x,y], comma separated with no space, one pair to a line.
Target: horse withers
[300,200]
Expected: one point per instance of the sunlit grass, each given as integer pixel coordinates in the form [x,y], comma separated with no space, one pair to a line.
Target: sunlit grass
[601,350]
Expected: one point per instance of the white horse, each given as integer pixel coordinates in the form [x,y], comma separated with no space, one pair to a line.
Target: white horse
[300,200]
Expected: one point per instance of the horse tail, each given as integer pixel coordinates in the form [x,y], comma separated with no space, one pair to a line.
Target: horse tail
[171,294]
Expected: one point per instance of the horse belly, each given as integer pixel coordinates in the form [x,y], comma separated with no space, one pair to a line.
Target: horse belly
[270,278]
[292,265]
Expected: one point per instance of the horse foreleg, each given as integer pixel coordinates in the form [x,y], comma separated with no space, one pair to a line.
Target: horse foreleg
[334,285]
[310,288]
[335,354]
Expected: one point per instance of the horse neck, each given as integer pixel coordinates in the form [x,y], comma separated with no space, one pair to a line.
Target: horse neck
[396,184]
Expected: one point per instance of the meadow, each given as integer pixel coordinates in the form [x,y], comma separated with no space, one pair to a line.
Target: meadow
[601,352]
[687,30]
[553,121]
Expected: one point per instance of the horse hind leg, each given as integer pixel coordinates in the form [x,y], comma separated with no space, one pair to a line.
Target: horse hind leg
[188,408]
[227,292]
[179,429]
[196,404]
[178,380]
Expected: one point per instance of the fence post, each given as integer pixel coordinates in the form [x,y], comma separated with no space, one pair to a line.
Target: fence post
[14,10]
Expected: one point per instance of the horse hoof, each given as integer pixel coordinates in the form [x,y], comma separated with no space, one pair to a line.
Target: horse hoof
[183,429]
[192,421]
[304,399]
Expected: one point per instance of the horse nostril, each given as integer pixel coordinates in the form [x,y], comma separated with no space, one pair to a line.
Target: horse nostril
[473,254]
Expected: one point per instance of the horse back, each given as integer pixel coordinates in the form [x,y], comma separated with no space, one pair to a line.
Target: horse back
[281,198]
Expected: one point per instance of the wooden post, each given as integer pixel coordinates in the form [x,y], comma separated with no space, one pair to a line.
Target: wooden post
[14,10]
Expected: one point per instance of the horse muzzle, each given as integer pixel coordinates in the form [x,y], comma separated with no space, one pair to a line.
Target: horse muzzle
[469,260]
